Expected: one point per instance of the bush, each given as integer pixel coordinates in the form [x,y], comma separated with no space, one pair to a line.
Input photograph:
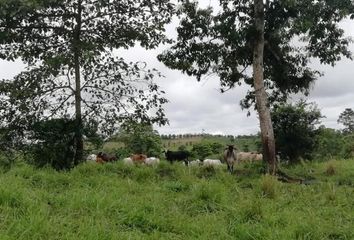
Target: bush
[295,130]
[53,144]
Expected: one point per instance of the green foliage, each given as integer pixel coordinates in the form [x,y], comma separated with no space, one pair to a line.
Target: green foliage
[141,138]
[329,143]
[295,129]
[201,150]
[347,119]
[53,144]
[348,147]
[71,69]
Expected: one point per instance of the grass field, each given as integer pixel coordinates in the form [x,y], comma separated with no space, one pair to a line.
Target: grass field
[114,201]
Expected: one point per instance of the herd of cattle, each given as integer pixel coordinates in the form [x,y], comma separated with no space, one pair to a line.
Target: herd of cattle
[230,157]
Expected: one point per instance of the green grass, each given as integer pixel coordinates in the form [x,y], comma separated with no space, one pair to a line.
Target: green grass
[114,201]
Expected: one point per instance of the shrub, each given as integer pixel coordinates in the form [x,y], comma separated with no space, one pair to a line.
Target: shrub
[53,144]
[330,169]
[268,186]
[294,129]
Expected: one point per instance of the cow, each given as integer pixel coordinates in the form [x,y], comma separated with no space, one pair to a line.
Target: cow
[138,158]
[249,156]
[196,162]
[128,161]
[212,162]
[172,156]
[91,157]
[230,157]
[151,161]
[104,157]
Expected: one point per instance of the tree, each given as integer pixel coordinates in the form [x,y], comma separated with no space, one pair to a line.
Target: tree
[295,129]
[347,119]
[141,138]
[246,34]
[68,46]
[329,143]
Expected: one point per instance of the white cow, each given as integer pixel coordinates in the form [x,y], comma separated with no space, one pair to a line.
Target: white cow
[196,162]
[150,161]
[91,157]
[249,156]
[128,161]
[212,162]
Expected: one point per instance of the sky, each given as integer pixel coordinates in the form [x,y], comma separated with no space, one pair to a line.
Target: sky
[199,107]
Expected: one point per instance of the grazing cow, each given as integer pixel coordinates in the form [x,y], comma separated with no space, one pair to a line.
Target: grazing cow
[249,156]
[230,157]
[128,161]
[91,157]
[150,161]
[212,162]
[104,157]
[138,158]
[196,162]
[172,156]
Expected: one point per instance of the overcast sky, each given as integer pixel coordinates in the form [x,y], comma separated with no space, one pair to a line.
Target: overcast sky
[196,107]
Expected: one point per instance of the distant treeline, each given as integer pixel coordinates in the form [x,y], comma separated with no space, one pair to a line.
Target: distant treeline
[202,135]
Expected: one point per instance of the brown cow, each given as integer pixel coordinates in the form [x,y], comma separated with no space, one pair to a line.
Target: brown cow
[104,157]
[138,158]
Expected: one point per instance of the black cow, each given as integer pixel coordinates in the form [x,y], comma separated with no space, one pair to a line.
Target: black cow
[172,156]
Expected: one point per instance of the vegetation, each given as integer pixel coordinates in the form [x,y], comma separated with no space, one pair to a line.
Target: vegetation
[114,201]
[295,128]
[260,35]
[71,69]
[347,119]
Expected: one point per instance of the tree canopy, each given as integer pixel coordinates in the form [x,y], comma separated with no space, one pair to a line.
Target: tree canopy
[71,67]
[221,43]
[347,119]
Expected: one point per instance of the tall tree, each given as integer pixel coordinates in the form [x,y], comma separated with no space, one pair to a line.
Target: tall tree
[276,38]
[68,46]
[267,134]
[347,119]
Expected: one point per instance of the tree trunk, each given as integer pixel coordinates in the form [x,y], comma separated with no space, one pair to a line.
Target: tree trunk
[78,117]
[267,133]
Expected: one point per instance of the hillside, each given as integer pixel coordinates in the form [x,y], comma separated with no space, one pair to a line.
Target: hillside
[113,201]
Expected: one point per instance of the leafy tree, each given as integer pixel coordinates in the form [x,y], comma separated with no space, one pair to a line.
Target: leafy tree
[245,34]
[348,146]
[347,119]
[68,46]
[329,143]
[141,138]
[295,129]
[201,150]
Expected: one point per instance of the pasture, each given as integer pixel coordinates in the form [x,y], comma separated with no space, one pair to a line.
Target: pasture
[115,201]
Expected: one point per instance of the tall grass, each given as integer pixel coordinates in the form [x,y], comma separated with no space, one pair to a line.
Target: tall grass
[114,201]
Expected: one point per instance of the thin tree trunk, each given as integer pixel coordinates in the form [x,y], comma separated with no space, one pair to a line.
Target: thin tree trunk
[267,133]
[78,117]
